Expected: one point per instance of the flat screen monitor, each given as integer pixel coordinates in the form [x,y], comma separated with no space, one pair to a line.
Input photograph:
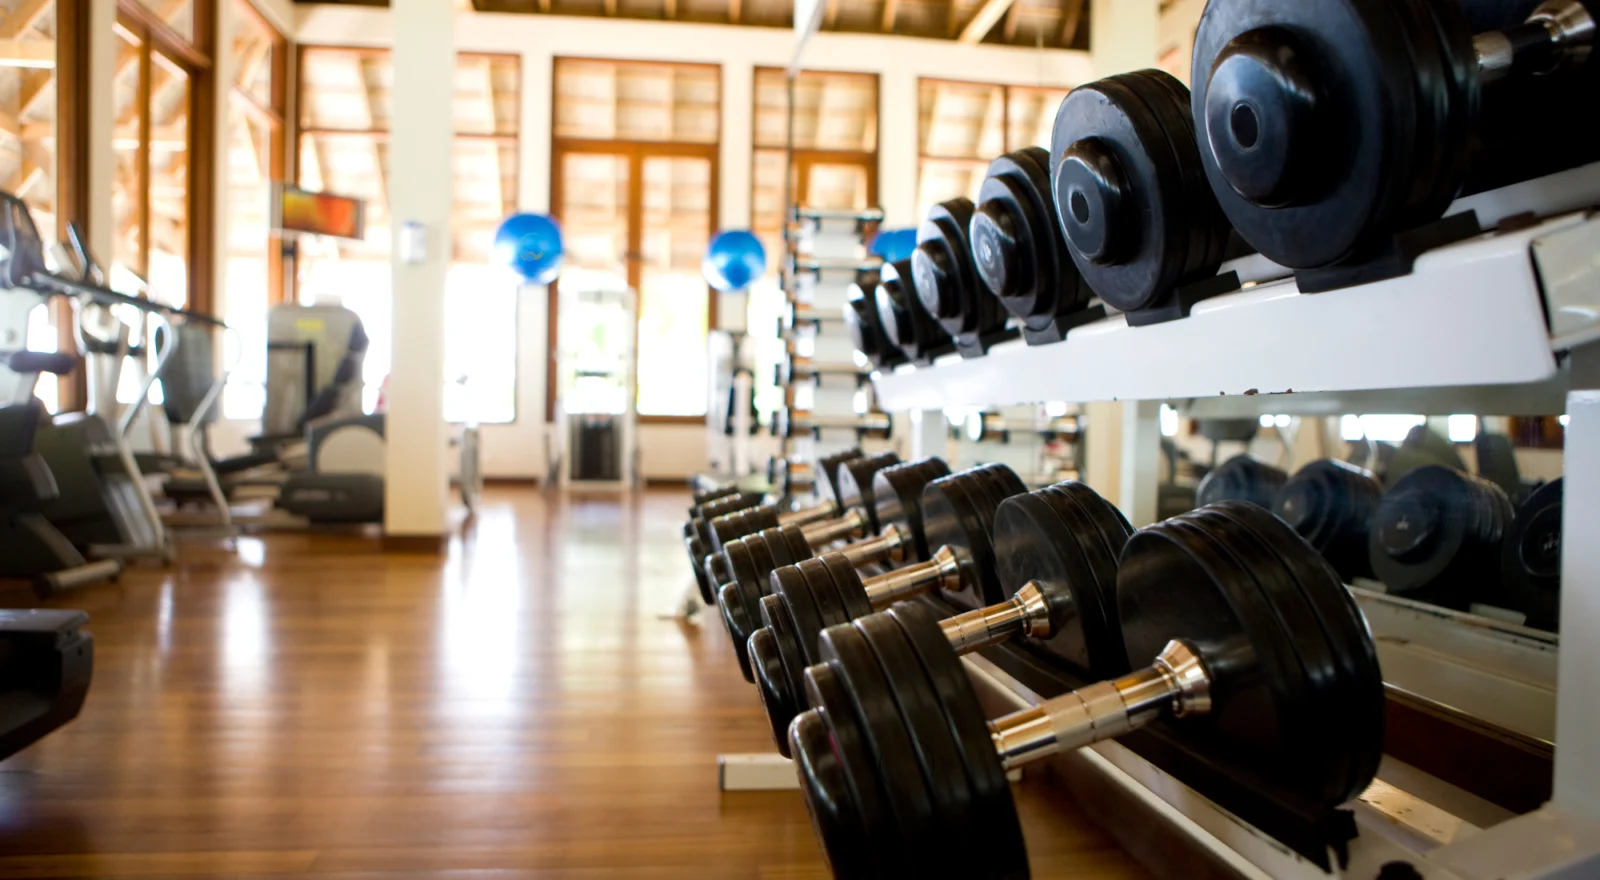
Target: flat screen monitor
[315,213]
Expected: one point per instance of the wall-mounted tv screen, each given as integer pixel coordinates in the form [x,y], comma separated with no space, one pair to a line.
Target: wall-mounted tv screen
[315,213]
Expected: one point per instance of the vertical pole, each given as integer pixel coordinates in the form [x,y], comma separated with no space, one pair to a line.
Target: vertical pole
[1123,35]
[1139,483]
[420,174]
[1577,764]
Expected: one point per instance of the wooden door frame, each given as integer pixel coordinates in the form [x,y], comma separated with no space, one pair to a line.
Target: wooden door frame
[273,115]
[636,153]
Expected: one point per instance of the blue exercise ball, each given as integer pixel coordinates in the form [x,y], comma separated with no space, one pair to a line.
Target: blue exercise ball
[531,245]
[734,260]
[894,245]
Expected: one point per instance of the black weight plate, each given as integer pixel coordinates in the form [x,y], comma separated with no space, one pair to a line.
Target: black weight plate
[848,581]
[795,589]
[829,801]
[696,549]
[1032,543]
[799,547]
[826,694]
[855,485]
[738,624]
[1139,267]
[952,518]
[830,608]
[845,650]
[1345,628]
[1002,833]
[829,466]
[778,669]
[1107,518]
[1001,483]
[744,571]
[1168,99]
[1326,702]
[1016,249]
[1428,541]
[897,492]
[1241,478]
[1531,557]
[1173,584]
[922,718]
[1078,544]
[778,549]
[1191,235]
[1331,504]
[1349,165]
[942,268]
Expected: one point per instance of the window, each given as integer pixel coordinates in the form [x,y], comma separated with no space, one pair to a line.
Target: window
[635,180]
[255,158]
[28,154]
[834,166]
[344,112]
[963,126]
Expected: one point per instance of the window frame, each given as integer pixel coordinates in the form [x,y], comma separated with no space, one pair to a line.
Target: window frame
[636,152]
[1005,120]
[275,117]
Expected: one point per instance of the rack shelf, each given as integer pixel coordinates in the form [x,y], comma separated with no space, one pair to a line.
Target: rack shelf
[1471,318]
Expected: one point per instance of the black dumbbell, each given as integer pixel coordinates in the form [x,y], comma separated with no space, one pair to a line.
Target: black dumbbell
[866,325]
[707,567]
[1064,536]
[791,423]
[1331,504]
[948,286]
[958,512]
[702,496]
[1531,557]
[1134,206]
[827,517]
[906,324]
[1244,645]
[1018,252]
[1436,537]
[798,368]
[887,507]
[1327,127]
[1241,478]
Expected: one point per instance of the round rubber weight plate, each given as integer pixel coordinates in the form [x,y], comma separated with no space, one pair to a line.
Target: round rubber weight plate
[777,548]
[829,800]
[744,571]
[828,697]
[845,650]
[1032,543]
[1345,628]
[1531,556]
[1094,634]
[1168,99]
[1323,768]
[776,683]
[799,548]
[855,485]
[942,768]
[993,808]
[848,581]
[897,492]
[1108,520]
[795,589]
[738,624]
[830,608]
[696,549]
[1173,584]
[950,511]
[1188,241]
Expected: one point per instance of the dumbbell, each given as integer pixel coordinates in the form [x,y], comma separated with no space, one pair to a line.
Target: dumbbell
[958,512]
[787,422]
[1066,534]
[1018,252]
[1531,557]
[1331,504]
[1135,209]
[702,496]
[948,286]
[840,512]
[1243,645]
[798,368]
[1326,127]
[1436,537]
[1241,478]
[889,503]
[906,324]
[866,325]
[696,534]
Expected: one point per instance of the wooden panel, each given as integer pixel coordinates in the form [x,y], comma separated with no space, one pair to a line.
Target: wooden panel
[312,707]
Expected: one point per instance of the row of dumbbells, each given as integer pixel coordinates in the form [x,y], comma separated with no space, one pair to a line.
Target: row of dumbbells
[1328,137]
[1223,622]
[1438,535]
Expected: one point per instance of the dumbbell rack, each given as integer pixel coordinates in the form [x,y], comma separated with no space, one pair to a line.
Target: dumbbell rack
[826,251]
[1505,323]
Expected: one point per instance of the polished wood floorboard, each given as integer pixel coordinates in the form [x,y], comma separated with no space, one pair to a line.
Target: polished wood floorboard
[523,707]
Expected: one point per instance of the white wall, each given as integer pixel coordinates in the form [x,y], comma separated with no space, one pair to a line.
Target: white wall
[518,450]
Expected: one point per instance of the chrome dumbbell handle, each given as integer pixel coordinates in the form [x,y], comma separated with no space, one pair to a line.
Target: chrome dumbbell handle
[943,571]
[1025,613]
[1558,34]
[853,524]
[890,547]
[1177,683]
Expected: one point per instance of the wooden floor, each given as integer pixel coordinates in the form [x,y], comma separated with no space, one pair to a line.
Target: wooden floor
[309,707]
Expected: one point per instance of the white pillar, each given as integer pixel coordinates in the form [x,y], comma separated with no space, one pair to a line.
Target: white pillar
[102,125]
[1139,481]
[1577,771]
[734,157]
[420,179]
[1123,35]
[897,147]
[1102,459]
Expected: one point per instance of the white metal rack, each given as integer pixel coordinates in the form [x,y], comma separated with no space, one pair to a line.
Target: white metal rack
[1503,323]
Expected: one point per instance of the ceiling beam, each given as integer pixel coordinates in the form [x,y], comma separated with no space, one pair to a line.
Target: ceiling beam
[891,8]
[735,10]
[22,19]
[984,20]
[830,14]
[1071,15]
[544,6]
[33,88]
[36,54]
[669,10]
[611,8]
[1010,29]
